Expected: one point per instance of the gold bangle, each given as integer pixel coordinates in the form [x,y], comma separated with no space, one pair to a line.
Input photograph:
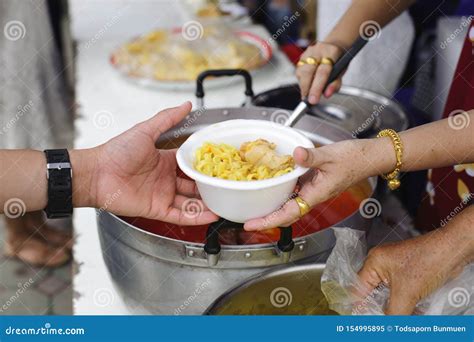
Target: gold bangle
[304,207]
[327,61]
[392,177]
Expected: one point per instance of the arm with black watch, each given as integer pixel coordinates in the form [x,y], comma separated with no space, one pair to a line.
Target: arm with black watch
[59,176]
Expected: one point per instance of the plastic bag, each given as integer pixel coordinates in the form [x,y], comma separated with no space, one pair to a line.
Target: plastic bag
[341,285]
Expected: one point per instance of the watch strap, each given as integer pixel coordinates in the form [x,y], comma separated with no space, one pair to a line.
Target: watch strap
[59,175]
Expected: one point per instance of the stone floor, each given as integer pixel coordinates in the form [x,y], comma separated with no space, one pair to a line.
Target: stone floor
[26,290]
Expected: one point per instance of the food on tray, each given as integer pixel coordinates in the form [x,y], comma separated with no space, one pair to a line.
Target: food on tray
[256,160]
[210,10]
[180,56]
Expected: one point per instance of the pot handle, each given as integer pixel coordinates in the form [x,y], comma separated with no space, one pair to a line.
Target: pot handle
[212,247]
[219,73]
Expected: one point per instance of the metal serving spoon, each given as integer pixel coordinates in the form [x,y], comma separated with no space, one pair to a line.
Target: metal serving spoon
[337,69]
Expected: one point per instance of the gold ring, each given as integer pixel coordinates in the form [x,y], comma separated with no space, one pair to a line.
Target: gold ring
[327,61]
[307,60]
[304,207]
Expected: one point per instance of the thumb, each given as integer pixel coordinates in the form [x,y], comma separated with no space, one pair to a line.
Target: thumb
[166,119]
[307,157]
[400,302]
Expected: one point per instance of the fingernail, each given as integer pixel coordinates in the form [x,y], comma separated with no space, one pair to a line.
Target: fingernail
[312,99]
[304,153]
[328,92]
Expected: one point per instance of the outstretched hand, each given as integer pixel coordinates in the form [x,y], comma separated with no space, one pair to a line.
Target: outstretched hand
[132,177]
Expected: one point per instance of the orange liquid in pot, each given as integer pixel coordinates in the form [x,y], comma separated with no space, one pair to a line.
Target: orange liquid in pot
[322,216]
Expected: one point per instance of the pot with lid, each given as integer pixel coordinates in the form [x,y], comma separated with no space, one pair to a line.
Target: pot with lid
[161,268]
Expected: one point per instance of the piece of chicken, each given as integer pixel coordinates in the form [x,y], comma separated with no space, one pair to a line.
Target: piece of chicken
[261,152]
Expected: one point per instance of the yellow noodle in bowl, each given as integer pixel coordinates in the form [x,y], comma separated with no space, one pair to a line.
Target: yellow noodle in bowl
[256,160]
[237,149]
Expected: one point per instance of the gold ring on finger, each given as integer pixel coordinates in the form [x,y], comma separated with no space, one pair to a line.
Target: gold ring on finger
[308,61]
[303,205]
[327,61]
[311,61]
[300,63]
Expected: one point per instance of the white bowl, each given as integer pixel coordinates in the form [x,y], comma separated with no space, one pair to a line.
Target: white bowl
[240,201]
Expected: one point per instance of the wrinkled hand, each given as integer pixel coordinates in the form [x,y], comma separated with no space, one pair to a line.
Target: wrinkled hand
[335,168]
[414,268]
[133,178]
[313,78]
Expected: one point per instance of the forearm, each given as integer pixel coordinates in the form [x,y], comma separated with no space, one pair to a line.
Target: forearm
[432,145]
[23,177]
[347,29]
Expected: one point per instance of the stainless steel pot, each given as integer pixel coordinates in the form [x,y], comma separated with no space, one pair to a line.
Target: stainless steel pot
[292,290]
[159,275]
[359,111]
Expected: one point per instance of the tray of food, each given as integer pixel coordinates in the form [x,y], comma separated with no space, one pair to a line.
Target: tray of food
[172,59]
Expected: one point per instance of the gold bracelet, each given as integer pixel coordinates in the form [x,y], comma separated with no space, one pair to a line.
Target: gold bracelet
[392,177]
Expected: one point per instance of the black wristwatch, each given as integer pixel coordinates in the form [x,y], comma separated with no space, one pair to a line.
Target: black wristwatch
[59,175]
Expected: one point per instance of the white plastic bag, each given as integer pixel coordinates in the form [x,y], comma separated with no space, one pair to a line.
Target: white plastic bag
[341,284]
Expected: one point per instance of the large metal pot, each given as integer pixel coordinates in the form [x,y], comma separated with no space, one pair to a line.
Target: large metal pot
[359,111]
[160,275]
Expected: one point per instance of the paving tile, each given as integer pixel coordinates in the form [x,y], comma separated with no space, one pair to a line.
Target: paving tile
[64,272]
[29,302]
[51,285]
[62,303]
[14,272]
